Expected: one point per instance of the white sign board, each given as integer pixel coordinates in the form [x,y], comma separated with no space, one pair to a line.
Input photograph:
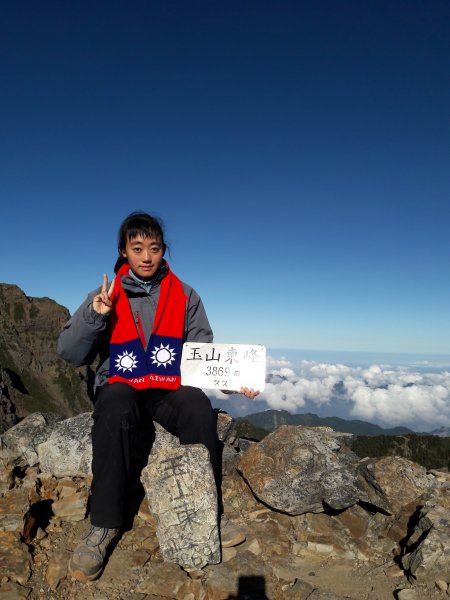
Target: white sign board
[223,366]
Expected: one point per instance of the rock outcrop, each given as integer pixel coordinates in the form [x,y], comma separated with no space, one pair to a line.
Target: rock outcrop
[67,451]
[320,523]
[22,441]
[32,375]
[286,471]
[182,495]
[8,416]
[427,549]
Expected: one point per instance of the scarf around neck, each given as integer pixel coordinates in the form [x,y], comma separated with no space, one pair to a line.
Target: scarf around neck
[158,366]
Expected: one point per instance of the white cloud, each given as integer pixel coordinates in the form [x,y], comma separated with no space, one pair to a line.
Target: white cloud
[381,393]
[284,372]
[399,405]
[324,369]
[292,394]
[273,363]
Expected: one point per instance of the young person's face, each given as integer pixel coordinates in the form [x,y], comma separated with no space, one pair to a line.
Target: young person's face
[144,255]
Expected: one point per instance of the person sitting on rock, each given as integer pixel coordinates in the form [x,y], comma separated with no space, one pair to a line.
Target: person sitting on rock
[134,325]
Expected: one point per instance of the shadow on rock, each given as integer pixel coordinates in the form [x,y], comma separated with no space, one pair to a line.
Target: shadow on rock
[251,587]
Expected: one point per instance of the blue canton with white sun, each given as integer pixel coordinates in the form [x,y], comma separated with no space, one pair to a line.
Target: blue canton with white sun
[163,356]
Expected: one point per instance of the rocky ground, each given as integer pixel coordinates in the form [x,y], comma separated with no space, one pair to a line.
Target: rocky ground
[336,537]
[135,570]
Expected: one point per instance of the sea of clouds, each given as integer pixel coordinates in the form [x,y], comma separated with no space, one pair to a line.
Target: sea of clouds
[388,395]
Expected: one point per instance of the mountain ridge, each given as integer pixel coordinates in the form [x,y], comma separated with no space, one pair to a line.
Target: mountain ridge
[271,419]
[33,377]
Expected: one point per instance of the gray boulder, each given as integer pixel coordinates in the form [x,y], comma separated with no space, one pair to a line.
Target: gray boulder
[428,547]
[401,481]
[182,494]
[300,469]
[164,439]
[432,556]
[68,450]
[22,440]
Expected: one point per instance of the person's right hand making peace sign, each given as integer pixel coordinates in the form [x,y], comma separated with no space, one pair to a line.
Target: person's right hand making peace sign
[102,302]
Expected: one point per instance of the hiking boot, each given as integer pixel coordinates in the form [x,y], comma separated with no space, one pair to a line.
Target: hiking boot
[230,533]
[88,558]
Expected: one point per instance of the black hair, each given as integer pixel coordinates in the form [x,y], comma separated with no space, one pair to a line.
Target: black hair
[138,224]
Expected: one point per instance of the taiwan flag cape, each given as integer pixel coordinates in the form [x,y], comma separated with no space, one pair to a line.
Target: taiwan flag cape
[158,365]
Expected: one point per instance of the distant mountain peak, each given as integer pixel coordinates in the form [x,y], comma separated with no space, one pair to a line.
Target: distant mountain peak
[441,432]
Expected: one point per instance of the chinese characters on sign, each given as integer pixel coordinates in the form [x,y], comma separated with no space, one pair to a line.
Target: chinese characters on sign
[223,366]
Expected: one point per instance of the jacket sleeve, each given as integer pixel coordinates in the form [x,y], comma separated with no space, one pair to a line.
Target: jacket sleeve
[80,340]
[198,328]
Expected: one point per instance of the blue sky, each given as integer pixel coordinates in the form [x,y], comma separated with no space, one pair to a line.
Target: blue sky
[297,152]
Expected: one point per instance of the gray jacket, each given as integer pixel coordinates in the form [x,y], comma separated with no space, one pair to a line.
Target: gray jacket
[86,335]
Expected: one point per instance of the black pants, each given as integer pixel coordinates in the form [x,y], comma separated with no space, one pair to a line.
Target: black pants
[123,420]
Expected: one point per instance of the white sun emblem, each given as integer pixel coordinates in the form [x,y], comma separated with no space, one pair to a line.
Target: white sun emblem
[126,361]
[163,355]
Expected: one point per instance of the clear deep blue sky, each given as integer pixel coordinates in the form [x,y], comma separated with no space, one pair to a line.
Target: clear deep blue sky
[297,152]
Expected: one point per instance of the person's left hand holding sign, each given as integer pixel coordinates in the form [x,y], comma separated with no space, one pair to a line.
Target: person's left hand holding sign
[249,393]
[102,302]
